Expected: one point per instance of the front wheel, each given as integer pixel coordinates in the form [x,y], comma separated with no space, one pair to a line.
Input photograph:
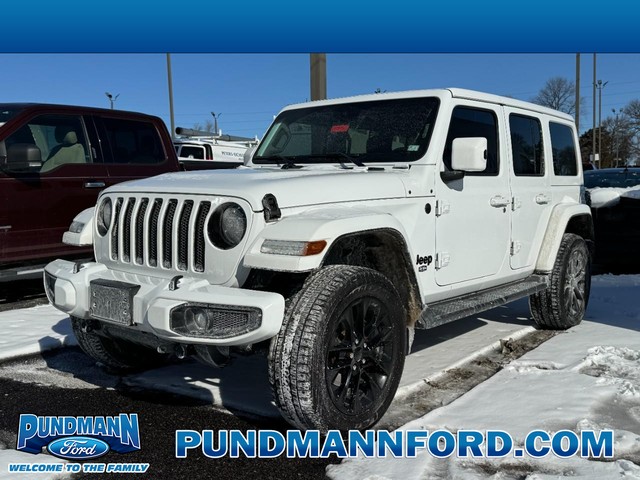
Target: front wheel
[564,303]
[339,356]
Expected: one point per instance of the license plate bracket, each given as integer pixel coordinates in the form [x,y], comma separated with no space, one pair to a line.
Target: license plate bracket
[112,301]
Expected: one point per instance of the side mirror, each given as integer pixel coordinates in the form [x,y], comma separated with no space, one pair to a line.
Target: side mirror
[469,154]
[22,156]
[248,154]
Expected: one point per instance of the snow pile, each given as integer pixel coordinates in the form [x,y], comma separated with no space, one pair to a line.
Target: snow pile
[585,378]
[33,330]
[610,196]
[13,456]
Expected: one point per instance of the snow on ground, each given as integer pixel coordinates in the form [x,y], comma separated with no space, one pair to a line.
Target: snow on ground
[13,456]
[32,330]
[610,196]
[588,377]
[244,385]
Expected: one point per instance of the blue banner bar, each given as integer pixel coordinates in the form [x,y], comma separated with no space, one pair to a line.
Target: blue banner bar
[329,26]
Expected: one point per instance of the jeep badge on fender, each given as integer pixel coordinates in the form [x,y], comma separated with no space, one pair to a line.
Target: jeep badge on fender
[199,263]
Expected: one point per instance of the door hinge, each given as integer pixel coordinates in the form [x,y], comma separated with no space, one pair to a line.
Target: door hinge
[442,260]
[515,248]
[441,208]
[516,203]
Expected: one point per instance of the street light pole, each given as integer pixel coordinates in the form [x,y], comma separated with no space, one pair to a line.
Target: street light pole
[593,131]
[617,132]
[170,82]
[600,87]
[215,122]
[112,98]
[578,93]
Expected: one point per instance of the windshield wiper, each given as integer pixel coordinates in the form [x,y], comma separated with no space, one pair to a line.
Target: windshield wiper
[282,161]
[339,155]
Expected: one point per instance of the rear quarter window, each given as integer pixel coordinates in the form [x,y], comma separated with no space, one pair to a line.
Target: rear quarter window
[132,141]
[563,148]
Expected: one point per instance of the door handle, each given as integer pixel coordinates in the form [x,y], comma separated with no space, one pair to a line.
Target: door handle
[542,199]
[499,201]
[94,184]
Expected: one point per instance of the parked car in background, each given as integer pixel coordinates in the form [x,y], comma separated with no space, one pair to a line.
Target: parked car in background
[614,195]
[54,161]
[195,148]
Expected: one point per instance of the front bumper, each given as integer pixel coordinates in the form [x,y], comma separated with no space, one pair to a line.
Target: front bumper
[69,291]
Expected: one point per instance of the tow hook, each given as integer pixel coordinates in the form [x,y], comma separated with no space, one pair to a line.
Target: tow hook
[180,351]
[174,283]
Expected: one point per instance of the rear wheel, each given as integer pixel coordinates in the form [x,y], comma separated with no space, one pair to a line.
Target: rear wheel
[115,354]
[338,358]
[564,303]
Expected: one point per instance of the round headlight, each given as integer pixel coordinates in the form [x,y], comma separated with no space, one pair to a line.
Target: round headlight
[103,219]
[227,226]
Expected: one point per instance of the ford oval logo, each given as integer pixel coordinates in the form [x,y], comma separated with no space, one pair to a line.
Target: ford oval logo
[78,448]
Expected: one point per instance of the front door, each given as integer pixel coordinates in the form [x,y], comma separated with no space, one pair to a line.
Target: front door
[41,202]
[472,213]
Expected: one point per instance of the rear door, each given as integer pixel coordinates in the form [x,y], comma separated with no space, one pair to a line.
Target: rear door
[531,202]
[42,202]
[132,149]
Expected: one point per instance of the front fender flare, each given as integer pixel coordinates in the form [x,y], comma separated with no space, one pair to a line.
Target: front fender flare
[318,224]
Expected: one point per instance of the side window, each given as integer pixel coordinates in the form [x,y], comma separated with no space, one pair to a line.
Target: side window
[193,152]
[565,160]
[133,142]
[526,145]
[61,140]
[473,122]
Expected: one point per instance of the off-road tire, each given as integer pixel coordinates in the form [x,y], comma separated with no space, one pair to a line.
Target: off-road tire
[559,307]
[115,354]
[299,357]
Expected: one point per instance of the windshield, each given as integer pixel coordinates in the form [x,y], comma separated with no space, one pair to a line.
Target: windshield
[395,130]
[622,178]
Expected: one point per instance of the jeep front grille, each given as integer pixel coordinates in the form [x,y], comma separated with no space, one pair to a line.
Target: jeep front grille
[156,232]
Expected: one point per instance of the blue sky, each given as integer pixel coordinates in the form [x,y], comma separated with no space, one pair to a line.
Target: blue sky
[248,89]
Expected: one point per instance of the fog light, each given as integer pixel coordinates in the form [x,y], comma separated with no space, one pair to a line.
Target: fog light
[195,320]
[214,321]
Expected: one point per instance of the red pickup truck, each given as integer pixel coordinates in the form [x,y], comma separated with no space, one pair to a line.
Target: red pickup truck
[54,161]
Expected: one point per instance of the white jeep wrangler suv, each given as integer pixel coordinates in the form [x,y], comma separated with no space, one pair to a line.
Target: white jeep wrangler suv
[354,222]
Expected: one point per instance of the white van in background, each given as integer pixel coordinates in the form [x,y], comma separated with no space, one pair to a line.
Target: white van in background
[217,151]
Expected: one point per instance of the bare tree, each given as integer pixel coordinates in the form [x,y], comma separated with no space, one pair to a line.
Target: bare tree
[206,127]
[558,93]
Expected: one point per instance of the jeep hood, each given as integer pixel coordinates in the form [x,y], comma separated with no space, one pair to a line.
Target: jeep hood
[292,188]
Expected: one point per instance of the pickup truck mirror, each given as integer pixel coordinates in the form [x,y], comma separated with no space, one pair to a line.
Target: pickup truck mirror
[469,154]
[248,153]
[21,156]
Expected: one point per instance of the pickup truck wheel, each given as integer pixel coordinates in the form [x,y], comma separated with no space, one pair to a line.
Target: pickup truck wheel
[564,303]
[338,358]
[115,354]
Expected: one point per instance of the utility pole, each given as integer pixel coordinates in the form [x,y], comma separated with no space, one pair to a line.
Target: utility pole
[112,98]
[318,64]
[600,87]
[617,133]
[169,78]
[593,131]
[215,122]
[578,93]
